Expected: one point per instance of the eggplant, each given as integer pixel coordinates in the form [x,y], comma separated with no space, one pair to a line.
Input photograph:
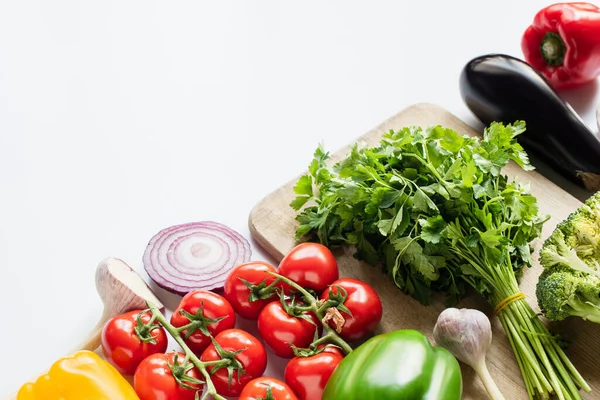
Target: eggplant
[498,87]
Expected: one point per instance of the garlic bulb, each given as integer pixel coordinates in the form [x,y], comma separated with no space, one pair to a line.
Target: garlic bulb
[467,334]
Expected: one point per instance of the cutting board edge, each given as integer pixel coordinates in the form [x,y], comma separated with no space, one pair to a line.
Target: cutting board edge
[258,237]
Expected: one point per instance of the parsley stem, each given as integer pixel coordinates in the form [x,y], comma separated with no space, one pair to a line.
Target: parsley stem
[493,199]
[382,183]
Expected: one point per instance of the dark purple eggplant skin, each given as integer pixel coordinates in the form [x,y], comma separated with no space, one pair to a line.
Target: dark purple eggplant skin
[499,87]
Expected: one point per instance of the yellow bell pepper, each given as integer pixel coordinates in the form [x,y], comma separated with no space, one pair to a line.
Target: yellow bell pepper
[84,376]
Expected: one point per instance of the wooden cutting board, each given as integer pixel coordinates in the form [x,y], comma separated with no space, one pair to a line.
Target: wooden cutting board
[272,225]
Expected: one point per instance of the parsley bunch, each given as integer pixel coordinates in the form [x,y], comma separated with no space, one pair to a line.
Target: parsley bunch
[434,209]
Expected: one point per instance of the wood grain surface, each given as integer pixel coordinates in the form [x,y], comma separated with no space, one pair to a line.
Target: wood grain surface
[272,225]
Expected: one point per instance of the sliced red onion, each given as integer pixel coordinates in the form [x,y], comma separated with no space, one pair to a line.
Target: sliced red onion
[196,255]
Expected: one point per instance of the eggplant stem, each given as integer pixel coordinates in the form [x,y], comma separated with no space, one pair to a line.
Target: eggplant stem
[590,180]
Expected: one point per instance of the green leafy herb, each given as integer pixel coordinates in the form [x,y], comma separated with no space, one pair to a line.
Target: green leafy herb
[433,208]
[411,185]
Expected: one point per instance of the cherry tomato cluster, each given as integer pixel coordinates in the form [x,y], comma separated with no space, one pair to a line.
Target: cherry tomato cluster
[304,312]
[136,346]
[290,327]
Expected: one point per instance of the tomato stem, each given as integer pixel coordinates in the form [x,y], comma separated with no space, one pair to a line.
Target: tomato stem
[333,337]
[319,310]
[304,292]
[215,362]
[184,327]
[329,303]
[301,309]
[152,319]
[175,334]
[268,290]
[144,330]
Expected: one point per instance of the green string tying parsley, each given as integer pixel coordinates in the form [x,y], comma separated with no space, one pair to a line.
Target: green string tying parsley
[433,208]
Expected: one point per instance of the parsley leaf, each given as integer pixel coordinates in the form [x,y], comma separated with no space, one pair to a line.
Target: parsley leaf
[451,141]
[468,173]
[299,201]
[304,185]
[422,202]
[432,229]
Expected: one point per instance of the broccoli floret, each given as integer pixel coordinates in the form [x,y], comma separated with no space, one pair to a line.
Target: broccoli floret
[564,292]
[582,230]
[593,202]
[582,227]
[555,251]
[570,283]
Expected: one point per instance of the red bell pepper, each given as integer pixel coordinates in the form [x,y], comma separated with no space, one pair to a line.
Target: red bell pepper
[563,43]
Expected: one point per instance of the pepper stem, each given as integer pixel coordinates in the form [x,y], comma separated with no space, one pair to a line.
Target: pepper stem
[553,49]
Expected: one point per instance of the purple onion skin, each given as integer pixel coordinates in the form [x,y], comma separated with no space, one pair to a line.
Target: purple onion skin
[217,289]
[160,273]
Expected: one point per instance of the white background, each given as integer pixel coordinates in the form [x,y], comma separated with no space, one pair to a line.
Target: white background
[120,118]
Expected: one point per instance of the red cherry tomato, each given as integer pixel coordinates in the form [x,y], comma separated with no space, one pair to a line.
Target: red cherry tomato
[237,292]
[154,380]
[364,304]
[121,345]
[310,265]
[252,358]
[213,307]
[307,376]
[280,330]
[257,388]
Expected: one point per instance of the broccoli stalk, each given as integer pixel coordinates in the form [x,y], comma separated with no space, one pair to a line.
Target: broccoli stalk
[556,252]
[584,309]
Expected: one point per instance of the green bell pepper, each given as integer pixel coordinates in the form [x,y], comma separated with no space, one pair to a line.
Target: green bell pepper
[396,365]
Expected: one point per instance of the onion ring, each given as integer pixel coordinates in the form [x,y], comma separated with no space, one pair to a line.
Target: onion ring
[195,255]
